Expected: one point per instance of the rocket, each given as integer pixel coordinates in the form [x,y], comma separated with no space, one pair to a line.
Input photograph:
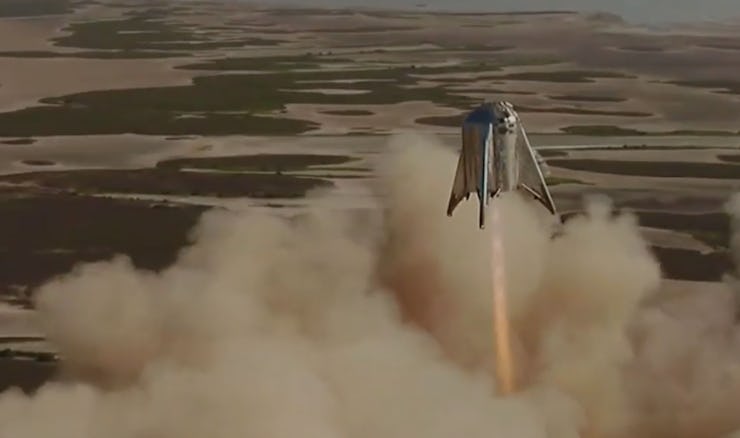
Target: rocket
[496,157]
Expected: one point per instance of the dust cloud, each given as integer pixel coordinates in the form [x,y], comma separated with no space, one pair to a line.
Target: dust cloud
[318,327]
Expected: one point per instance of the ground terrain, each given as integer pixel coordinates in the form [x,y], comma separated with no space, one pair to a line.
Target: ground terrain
[118,114]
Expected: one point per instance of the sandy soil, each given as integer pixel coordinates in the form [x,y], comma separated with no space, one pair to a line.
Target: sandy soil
[332,91]
[702,155]
[29,34]
[671,107]
[17,322]
[605,181]
[142,151]
[130,151]
[25,81]
[78,152]
[386,118]
[349,194]
[401,38]
[696,186]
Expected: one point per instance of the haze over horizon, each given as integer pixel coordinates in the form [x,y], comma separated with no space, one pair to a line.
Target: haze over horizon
[636,11]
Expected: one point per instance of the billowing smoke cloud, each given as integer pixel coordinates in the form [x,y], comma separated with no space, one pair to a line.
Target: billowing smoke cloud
[273,328]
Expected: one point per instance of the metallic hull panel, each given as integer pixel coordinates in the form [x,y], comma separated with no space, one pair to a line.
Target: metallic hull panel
[496,157]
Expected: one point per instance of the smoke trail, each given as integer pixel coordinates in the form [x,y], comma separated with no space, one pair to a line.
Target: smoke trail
[272,328]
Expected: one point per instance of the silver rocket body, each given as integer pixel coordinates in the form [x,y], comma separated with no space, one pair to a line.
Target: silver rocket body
[496,157]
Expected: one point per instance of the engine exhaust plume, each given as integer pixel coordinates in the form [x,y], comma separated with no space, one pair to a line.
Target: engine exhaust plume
[502,342]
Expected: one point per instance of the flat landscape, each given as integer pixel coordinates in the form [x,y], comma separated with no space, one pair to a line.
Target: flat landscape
[118,114]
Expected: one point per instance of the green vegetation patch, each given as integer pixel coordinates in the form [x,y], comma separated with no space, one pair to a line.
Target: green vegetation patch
[713,229]
[456,120]
[444,121]
[215,105]
[495,23]
[31,8]
[685,264]
[725,87]
[108,118]
[580,111]
[86,229]
[575,76]
[722,46]
[20,339]
[551,153]
[585,98]
[730,158]
[668,148]
[541,59]
[258,162]
[501,14]
[96,228]
[487,48]
[648,49]
[279,12]
[600,130]
[285,64]
[491,91]
[554,181]
[611,130]
[265,63]
[144,30]
[172,182]
[94,54]
[303,12]
[688,265]
[395,15]
[19,141]
[38,162]
[26,375]
[366,29]
[659,169]
[267,92]
[349,113]
[700,132]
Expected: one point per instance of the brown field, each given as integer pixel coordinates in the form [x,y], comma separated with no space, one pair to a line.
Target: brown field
[25,375]
[616,75]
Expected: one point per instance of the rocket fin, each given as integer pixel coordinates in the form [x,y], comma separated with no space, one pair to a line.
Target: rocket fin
[467,175]
[530,174]
[460,187]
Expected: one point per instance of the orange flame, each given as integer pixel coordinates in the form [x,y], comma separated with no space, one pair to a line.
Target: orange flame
[502,343]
